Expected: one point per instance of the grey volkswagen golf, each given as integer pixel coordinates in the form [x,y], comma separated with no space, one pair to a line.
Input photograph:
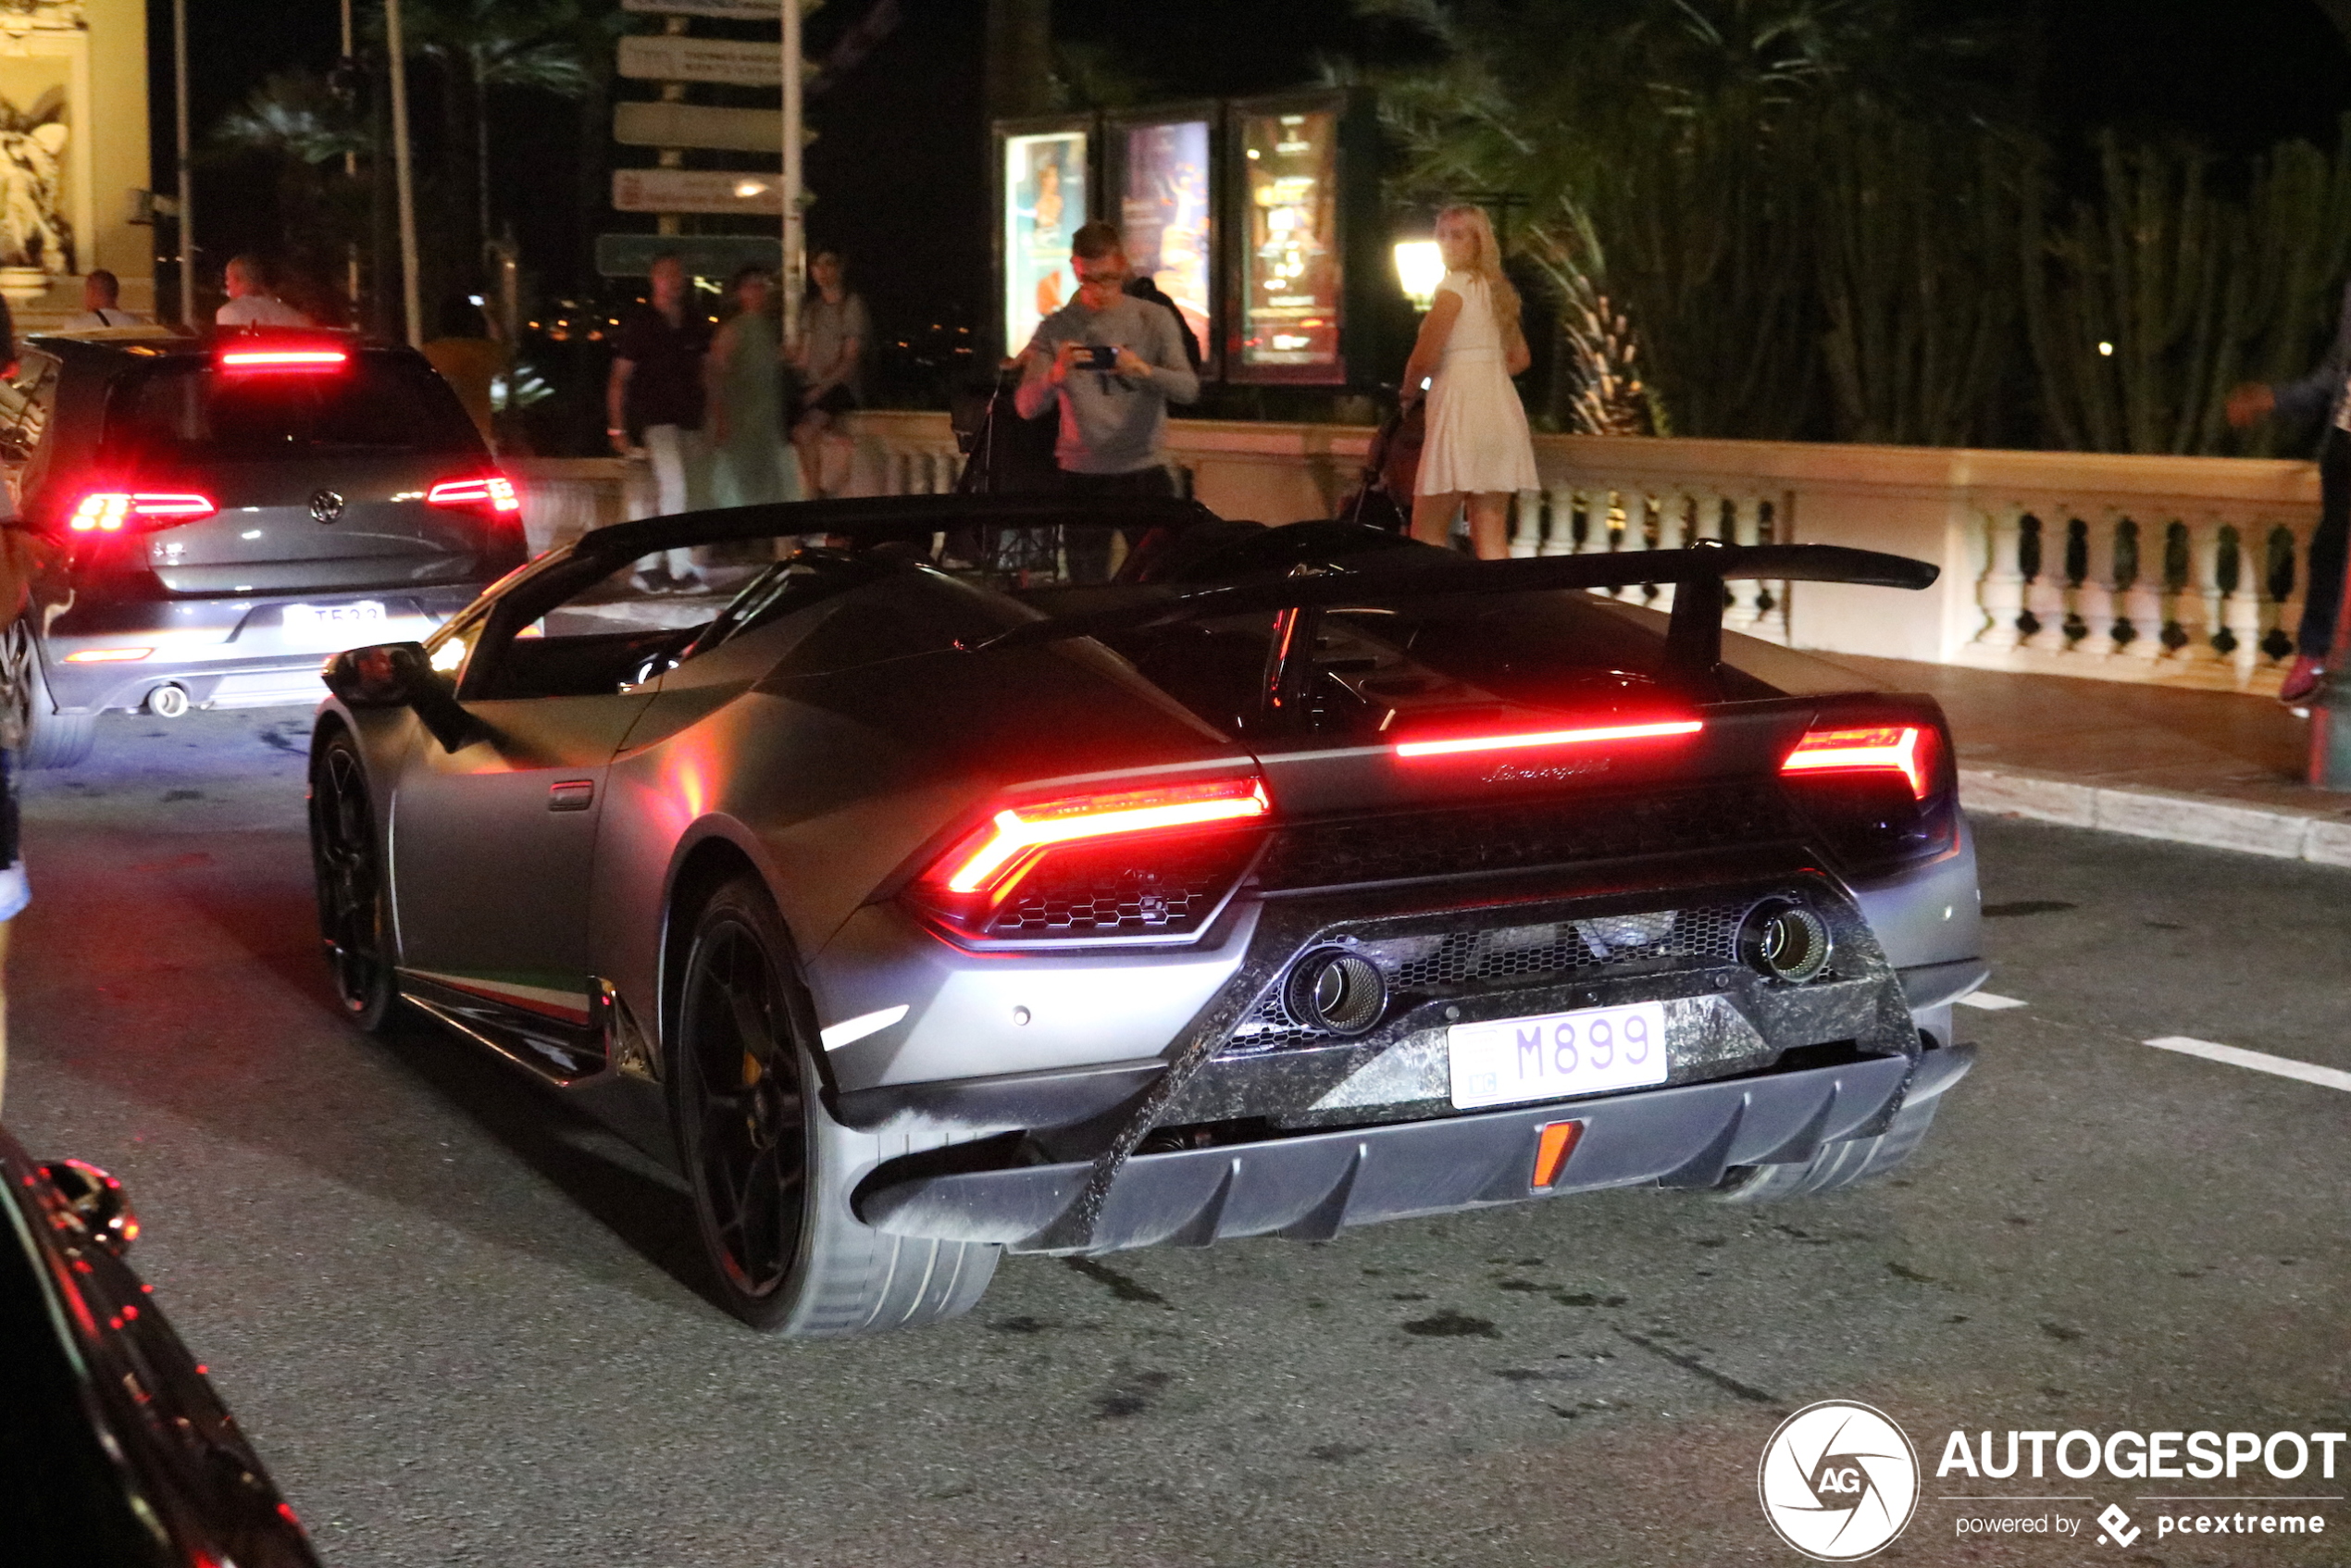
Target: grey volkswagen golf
[227,511]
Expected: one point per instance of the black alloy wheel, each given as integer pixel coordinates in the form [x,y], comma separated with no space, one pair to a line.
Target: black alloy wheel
[350,885]
[741,1104]
[29,719]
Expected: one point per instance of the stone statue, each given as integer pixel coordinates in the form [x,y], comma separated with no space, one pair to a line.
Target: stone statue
[33,232]
[41,16]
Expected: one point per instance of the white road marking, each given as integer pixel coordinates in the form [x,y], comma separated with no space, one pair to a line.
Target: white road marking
[848,1032]
[2259,1062]
[1989,1002]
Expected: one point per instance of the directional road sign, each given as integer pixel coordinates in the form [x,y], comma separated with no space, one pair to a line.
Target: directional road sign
[695,189]
[654,57]
[695,125]
[733,10]
[703,255]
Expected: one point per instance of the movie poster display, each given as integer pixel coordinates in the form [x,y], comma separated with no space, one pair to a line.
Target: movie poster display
[1167,215]
[1044,176]
[1292,274]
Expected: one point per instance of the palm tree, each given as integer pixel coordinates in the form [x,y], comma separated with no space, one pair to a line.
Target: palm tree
[296,115]
[297,121]
[539,45]
[1668,151]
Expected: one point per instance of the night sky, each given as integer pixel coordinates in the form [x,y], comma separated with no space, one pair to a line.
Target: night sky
[900,168]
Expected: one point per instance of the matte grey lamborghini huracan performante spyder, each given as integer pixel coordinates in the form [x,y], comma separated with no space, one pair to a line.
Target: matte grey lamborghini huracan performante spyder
[918,903]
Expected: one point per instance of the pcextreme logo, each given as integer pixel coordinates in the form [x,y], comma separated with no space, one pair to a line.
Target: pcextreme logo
[1839,1481]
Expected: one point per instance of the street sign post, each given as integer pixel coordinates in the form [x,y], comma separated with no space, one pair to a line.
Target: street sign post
[676,58]
[703,255]
[683,190]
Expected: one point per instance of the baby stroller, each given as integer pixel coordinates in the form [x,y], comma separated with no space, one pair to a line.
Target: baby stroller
[1384,496]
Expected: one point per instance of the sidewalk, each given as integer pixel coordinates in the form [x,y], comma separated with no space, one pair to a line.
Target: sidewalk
[2215,769]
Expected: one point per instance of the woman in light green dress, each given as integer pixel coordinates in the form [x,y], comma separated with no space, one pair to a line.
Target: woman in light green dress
[746,398]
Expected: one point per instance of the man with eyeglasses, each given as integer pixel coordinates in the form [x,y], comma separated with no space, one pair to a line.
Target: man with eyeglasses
[1111,364]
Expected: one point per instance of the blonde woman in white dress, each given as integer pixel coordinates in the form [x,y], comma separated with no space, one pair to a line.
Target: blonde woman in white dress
[1477,452]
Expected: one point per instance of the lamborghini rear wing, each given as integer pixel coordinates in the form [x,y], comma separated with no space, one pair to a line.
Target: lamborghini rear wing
[1694,638]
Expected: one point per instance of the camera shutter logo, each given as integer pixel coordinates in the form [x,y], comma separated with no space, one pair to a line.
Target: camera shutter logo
[1839,1481]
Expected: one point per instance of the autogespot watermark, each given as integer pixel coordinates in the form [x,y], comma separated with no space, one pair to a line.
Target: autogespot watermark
[2081,1455]
[1840,1481]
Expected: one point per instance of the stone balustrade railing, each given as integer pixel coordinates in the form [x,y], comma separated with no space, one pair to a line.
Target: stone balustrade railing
[2186,571]
[565,497]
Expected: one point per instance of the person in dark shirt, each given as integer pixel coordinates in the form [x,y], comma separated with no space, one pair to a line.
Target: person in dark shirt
[2326,391]
[656,394]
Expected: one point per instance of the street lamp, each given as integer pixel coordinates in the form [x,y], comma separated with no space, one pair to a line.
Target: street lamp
[1420,266]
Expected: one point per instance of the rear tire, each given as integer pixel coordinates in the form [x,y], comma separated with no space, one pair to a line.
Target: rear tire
[353,902]
[52,740]
[770,1171]
[1837,1165]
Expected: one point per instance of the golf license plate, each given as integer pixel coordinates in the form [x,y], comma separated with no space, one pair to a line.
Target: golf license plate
[334,626]
[1509,1061]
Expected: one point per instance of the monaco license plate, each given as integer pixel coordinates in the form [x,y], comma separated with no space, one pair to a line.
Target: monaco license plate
[1509,1061]
[335,627]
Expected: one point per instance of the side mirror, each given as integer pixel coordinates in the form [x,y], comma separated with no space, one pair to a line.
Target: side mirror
[382,675]
[97,1201]
[396,675]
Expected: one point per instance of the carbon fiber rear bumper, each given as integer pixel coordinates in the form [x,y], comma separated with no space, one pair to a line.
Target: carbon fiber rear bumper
[1308,1188]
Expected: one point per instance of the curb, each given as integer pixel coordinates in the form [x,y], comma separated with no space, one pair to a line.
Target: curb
[2322,837]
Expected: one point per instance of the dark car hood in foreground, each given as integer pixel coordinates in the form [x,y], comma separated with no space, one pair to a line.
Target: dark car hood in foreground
[114,1449]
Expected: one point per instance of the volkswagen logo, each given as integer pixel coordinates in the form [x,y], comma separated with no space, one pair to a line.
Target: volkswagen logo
[326,506]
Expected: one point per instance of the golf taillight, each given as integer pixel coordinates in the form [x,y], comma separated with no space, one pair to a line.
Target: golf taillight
[491,493]
[1907,749]
[1150,861]
[116,511]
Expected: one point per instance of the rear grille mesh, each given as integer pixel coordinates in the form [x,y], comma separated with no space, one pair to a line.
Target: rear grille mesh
[1674,939]
[1465,962]
[1167,888]
[1523,836]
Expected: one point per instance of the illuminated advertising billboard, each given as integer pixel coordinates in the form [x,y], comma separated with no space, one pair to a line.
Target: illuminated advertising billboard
[1292,280]
[1044,182]
[1167,215]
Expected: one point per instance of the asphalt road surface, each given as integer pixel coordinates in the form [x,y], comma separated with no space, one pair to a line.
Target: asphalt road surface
[464,1329]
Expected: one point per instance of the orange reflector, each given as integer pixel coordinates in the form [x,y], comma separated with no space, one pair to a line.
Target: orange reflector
[107,655]
[1558,1141]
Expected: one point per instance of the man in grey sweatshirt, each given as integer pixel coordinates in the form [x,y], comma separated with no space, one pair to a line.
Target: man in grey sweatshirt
[1114,417]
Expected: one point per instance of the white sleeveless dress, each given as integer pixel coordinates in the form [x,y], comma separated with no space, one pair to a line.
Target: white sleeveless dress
[1478,438]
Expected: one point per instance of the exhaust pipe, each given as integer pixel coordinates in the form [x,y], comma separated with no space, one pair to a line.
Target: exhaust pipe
[1786,940]
[167,701]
